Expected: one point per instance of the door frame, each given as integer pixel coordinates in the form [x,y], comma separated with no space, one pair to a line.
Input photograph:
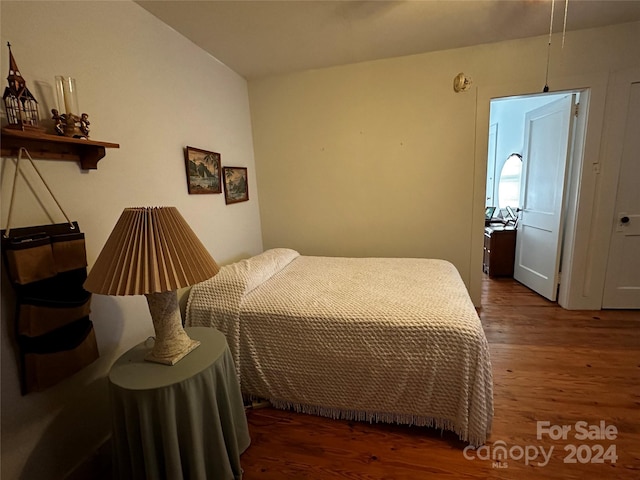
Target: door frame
[583,264]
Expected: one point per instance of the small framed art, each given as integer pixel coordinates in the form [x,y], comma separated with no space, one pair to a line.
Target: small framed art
[236,184]
[203,171]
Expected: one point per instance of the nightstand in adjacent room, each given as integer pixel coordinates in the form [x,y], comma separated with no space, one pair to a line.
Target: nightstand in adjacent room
[499,251]
[184,421]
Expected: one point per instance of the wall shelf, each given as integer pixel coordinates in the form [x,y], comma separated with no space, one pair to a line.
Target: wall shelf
[53,147]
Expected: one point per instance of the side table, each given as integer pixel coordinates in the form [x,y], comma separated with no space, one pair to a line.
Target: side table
[184,421]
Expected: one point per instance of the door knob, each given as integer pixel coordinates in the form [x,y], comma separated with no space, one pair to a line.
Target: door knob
[624,219]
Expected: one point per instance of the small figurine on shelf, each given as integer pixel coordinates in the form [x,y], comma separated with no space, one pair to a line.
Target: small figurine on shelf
[58,121]
[84,124]
[70,125]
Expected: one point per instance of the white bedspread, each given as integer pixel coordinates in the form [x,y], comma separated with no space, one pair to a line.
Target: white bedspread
[376,339]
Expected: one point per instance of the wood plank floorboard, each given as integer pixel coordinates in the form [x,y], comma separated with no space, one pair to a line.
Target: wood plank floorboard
[549,364]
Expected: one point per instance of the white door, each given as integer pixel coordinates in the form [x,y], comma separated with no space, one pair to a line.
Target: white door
[622,283]
[547,146]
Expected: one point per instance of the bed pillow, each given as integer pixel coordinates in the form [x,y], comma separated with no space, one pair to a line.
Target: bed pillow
[262,267]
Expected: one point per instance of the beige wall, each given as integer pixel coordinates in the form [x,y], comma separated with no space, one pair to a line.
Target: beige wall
[383,158]
[153,92]
[379,158]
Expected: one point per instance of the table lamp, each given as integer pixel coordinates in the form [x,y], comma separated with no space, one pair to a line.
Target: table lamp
[152,251]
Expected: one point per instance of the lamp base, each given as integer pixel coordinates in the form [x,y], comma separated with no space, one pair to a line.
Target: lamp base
[172,342]
[176,358]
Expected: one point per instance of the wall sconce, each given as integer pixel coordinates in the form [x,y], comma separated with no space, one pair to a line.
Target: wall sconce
[461,83]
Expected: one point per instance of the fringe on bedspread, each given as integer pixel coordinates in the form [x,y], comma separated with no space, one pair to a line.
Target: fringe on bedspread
[375,417]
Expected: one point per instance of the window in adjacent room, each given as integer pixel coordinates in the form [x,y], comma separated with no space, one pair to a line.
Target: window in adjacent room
[509,183]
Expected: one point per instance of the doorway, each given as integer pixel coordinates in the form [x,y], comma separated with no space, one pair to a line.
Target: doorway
[520,128]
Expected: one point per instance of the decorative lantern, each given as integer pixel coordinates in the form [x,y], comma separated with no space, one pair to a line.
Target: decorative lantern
[19,103]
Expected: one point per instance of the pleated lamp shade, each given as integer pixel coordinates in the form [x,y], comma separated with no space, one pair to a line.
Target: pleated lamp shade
[151,250]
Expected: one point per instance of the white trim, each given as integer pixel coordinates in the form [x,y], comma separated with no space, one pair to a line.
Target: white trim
[583,228]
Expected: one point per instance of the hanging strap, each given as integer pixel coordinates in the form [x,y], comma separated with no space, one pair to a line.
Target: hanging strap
[13,191]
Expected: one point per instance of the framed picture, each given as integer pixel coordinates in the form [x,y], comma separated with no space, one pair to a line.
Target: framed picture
[236,185]
[204,173]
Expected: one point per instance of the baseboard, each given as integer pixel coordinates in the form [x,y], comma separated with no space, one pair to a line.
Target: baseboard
[97,466]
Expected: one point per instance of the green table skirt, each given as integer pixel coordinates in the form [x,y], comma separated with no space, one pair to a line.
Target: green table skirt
[185,421]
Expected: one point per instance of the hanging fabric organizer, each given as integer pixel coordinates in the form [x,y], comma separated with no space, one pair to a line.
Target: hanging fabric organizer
[47,265]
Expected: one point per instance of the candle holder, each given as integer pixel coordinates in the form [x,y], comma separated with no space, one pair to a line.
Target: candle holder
[69,123]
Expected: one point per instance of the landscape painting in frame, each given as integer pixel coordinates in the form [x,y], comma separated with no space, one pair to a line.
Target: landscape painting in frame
[203,171]
[236,185]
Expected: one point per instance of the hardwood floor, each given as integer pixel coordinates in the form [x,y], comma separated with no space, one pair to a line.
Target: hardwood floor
[549,364]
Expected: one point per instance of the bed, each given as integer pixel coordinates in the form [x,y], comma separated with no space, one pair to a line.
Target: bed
[393,340]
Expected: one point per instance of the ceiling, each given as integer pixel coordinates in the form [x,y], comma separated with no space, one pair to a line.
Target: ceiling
[263,38]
